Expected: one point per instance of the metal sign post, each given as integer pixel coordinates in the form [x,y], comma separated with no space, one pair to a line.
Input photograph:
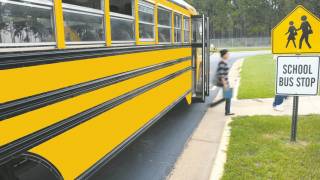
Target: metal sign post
[294,125]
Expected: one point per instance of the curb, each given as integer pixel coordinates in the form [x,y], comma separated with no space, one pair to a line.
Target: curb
[238,78]
[221,157]
[218,165]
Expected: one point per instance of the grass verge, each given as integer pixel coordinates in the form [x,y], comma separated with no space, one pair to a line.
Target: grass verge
[241,49]
[257,77]
[260,149]
[249,49]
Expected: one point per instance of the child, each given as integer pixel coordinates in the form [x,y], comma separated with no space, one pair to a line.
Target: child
[223,80]
[292,34]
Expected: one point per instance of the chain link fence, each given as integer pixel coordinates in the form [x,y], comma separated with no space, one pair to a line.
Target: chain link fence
[241,42]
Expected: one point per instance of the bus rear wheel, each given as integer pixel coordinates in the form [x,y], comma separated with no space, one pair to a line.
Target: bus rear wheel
[29,167]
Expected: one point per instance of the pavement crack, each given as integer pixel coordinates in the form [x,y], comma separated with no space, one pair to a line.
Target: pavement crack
[203,140]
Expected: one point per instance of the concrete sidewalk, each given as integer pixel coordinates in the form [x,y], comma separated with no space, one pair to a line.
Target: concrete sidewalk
[307,105]
[205,153]
[197,159]
[202,149]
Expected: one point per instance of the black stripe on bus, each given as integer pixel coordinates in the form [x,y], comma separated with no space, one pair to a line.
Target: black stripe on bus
[32,140]
[20,106]
[102,162]
[23,59]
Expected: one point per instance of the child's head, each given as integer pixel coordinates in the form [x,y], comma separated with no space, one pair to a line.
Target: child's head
[291,23]
[224,53]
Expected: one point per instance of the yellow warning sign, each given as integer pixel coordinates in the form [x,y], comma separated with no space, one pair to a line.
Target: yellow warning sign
[298,33]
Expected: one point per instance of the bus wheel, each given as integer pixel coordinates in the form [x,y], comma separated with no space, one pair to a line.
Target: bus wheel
[29,167]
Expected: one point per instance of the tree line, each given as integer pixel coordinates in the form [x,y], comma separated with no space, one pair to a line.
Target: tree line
[248,18]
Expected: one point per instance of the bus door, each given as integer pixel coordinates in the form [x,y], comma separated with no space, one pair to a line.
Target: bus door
[200,57]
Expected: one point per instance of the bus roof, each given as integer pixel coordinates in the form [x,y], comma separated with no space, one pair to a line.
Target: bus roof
[185,5]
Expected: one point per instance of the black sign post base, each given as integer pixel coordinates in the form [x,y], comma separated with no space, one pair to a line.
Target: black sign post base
[294,118]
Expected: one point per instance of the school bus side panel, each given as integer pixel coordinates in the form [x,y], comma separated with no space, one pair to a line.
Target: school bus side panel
[86,144]
[22,125]
[39,79]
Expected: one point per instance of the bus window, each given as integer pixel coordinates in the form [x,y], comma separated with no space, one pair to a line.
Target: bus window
[186,29]
[164,25]
[25,23]
[123,29]
[121,7]
[197,30]
[122,21]
[83,21]
[146,21]
[95,4]
[177,28]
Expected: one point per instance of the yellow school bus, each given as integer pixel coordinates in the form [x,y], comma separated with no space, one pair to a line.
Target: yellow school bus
[81,79]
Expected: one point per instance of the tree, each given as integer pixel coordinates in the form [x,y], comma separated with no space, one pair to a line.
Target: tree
[248,18]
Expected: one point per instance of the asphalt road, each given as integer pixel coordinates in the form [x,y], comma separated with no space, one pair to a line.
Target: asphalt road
[153,155]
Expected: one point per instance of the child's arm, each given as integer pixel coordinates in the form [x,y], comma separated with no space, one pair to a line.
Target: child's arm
[299,28]
[288,31]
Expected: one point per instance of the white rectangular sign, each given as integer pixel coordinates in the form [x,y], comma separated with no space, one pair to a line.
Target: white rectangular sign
[297,75]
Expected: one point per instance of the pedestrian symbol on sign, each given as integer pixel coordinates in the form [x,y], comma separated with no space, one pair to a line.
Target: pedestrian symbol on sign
[306,31]
[293,32]
[298,33]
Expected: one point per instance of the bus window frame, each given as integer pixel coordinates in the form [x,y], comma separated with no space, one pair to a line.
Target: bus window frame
[45,4]
[71,8]
[125,17]
[151,5]
[186,19]
[50,4]
[34,2]
[163,8]
[81,9]
[175,28]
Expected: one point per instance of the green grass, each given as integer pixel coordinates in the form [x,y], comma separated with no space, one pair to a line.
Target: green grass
[249,49]
[257,77]
[260,149]
[240,49]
